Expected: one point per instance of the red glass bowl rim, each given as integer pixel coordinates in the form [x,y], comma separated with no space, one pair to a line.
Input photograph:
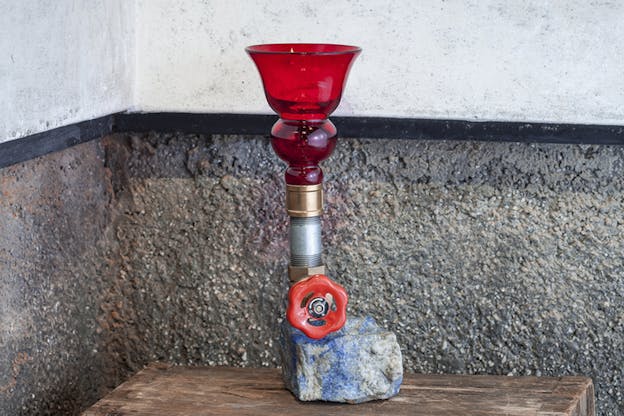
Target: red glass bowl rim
[303,49]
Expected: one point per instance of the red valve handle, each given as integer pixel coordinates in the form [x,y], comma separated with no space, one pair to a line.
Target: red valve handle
[317,306]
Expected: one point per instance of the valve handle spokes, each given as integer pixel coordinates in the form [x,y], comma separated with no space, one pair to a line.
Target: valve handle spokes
[317,306]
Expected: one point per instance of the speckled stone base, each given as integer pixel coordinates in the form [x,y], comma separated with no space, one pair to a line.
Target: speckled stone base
[359,363]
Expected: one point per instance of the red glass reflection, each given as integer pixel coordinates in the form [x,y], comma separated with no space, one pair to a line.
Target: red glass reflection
[303,145]
[303,81]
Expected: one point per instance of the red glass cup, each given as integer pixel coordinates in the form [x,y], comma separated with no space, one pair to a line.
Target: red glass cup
[303,83]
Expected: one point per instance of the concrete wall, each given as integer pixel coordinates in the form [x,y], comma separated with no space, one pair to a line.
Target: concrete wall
[57,262]
[484,258]
[492,258]
[63,61]
[486,60]
[70,60]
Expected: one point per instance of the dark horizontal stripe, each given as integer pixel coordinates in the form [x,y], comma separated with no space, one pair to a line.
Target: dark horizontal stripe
[39,144]
[197,123]
[498,131]
[380,127]
[30,147]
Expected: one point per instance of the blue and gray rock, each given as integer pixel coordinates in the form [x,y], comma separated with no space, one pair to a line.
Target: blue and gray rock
[359,363]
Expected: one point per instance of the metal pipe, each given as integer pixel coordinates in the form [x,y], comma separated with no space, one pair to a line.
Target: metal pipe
[305,241]
[304,204]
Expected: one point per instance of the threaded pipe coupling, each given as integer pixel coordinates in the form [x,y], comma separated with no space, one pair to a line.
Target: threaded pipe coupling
[305,241]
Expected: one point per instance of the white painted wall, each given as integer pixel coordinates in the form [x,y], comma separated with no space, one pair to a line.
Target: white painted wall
[63,61]
[557,61]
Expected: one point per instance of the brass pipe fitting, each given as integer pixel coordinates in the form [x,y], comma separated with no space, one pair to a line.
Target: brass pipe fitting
[304,200]
[296,274]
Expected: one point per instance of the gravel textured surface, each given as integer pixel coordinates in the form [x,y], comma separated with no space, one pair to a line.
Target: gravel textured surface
[55,262]
[489,258]
[492,258]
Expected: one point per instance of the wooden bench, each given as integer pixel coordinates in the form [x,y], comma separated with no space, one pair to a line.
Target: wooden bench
[162,389]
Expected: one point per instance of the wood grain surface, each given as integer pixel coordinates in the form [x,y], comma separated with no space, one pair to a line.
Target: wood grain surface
[162,389]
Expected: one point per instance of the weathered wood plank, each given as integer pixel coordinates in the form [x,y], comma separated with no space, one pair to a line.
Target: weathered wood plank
[162,389]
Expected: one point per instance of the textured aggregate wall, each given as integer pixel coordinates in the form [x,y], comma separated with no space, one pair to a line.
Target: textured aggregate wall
[56,262]
[483,257]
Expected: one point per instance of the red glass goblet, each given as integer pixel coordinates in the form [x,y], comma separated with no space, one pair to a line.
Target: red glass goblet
[303,83]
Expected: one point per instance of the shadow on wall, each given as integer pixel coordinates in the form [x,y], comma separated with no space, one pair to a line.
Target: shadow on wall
[57,259]
[491,258]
